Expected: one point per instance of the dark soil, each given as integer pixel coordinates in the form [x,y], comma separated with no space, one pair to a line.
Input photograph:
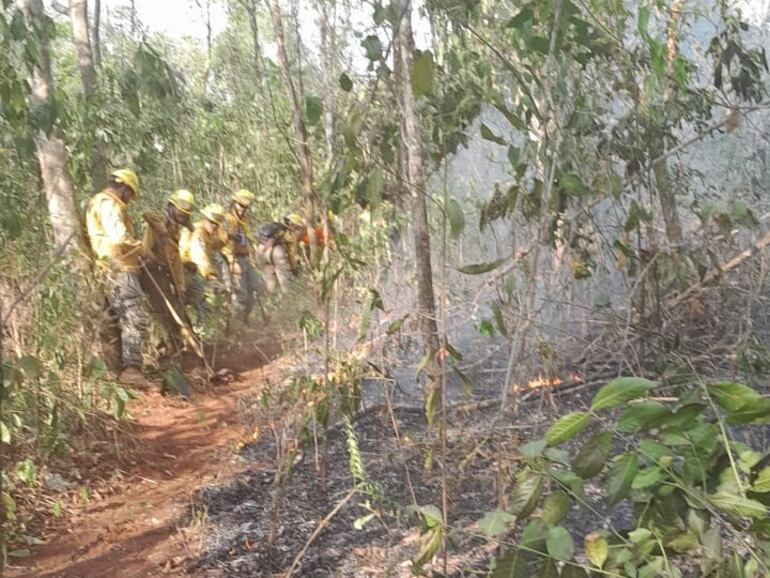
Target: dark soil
[482,467]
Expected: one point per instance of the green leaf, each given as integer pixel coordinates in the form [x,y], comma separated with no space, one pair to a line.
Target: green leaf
[20,553]
[431,514]
[533,449]
[422,74]
[5,433]
[592,455]
[487,134]
[596,548]
[620,391]
[495,523]
[27,471]
[760,485]
[526,494]
[732,396]
[684,542]
[373,47]
[572,483]
[514,153]
[641,416]
[346,83]
[313,108]
[456,218]
[653,450]
[574,185]
[647,477]
[480,268]
[513,565]
[533,535]
[555,508]
[620,478]
[684,417]
[567,427]
[426,359]
[559,543]
[755,413]
[737,505]
[486,328]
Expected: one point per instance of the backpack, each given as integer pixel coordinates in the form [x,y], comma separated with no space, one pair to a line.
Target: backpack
[270,231]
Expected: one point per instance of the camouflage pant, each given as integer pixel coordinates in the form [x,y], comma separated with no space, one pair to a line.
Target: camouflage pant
[128,318]
[245,285]
[275,267]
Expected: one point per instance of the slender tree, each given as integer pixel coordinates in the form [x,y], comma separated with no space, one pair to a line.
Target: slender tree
[81,37]
[302,143]
[51,152]
[97,44]
[329,57]
[413,174]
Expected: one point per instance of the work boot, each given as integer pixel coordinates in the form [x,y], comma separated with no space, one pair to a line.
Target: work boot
[132,377]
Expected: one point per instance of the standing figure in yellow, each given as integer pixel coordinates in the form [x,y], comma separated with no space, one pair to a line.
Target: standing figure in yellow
[118,254]
[198,250]
[244,281]
[162,275]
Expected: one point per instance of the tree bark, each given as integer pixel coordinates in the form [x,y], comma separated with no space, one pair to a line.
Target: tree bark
[97,33]
[300,128]
[79,20]
[414,176]
[329,56]
[665,188]
[52,155]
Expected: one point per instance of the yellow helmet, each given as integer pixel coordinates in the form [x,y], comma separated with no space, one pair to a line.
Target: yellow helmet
[294,219]
[243,197]
[183,200]
[127,177]
[214,213]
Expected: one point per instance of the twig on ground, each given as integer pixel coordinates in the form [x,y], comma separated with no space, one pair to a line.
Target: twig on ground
[318,530]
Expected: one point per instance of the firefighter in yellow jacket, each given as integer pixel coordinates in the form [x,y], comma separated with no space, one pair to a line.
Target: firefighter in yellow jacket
[243,278]
[118,254]
[162,275]
[199,251]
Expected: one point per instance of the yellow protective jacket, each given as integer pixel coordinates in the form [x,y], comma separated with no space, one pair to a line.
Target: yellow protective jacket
[239,237]
[111,233]
[199,247]
[161,243]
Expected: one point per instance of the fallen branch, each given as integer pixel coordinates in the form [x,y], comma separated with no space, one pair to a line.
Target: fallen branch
[712,275]
[318,530]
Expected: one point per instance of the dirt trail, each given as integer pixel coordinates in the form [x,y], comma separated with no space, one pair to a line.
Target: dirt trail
[134,533]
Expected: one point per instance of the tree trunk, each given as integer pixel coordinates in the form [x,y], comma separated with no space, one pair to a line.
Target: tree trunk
[329,56]
[52,155]
[664,186]
[300,128]
[97,33]
[414,176]
[79,20]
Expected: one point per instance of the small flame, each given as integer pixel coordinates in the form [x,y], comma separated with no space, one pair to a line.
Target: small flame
[542,382]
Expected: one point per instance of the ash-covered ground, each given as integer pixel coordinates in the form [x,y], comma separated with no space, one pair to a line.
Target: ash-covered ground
[482,453]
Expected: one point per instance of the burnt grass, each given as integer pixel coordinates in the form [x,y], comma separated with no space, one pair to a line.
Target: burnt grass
[483,462]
